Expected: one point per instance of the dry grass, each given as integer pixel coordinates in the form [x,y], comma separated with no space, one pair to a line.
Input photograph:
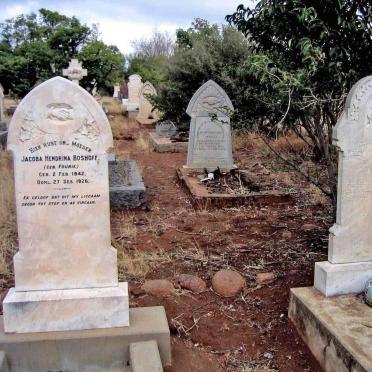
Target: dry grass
[113,105]
[135,265]
[142,143]
[8,229]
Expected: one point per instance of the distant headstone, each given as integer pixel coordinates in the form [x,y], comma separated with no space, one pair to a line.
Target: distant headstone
[1,103]
[116,91]
[75,71]
[134,87]
[349,262]
[145,106]
[166,128]
[210,138]
[65,270]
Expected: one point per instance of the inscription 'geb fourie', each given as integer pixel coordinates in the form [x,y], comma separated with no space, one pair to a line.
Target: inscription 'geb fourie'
[60,138]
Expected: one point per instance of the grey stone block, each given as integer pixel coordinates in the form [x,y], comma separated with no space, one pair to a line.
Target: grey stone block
[145,357]
[98,350]
[127,190]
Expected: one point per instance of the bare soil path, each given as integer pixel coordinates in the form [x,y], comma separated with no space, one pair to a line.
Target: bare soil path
[209,333]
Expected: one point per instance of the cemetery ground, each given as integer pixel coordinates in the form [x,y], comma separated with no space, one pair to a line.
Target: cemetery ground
[249,332]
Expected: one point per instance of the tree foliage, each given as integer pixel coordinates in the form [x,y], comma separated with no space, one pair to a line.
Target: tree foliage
[203,52]
[306,56]
[35,47]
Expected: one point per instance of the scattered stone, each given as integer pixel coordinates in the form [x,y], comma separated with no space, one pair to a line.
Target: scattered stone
[265,278]
[309,227]
[286,234]
[159,287]
[228,283]
[191,282]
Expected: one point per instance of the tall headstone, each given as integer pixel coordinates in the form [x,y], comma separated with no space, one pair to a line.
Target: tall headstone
[66,269]
[145,106]
[210,137]
[349,262]
[75,71]
[134,87]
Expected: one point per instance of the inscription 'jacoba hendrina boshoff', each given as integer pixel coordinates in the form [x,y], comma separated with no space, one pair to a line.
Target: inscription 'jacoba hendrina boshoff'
[65,269]
[210,134]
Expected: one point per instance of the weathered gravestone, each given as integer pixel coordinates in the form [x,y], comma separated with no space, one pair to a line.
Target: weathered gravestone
[349,262]
[75,71]
[166,128]
[116,91]
[65,270]
[210,137]
[145,106]
[3,127]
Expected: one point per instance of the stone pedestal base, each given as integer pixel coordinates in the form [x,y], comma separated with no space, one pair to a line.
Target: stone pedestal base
[337,330]
[66,309]
[95,350]
[164,144]
[337,279]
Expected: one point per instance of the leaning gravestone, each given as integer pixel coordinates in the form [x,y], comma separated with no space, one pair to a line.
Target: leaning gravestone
[166,128]
[145,106]
[210,138]
[349,262]
[65,270]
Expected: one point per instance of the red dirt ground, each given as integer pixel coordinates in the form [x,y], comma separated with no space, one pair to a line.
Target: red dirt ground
[209,333]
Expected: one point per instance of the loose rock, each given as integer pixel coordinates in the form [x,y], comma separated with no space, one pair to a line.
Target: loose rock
[264,278]
[159,287]
[191,282]
[309,227]
[228,283]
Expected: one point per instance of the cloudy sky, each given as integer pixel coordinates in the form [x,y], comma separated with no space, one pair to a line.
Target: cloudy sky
[121,21]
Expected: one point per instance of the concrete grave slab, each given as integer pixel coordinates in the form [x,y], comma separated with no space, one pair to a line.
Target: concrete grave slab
[164,144]
[127,190]
[152,361]
[98,350]
[338,330]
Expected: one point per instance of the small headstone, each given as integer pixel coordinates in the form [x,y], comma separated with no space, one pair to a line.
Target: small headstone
[210,137]
[166,128]
[116,91]
[349,262]
[65,270]
[1,103]
[75,71]
[145,106]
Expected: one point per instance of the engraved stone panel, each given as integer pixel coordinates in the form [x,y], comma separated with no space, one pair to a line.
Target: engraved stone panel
[145,107]
[210,133]
[60,137]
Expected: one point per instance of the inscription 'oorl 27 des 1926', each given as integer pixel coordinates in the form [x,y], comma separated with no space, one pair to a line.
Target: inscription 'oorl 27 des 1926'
[60,138]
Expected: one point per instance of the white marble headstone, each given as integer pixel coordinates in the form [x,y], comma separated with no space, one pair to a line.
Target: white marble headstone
[350,239]
[145,107]
[210,138]
[116,91]
[134,88]
[60,139]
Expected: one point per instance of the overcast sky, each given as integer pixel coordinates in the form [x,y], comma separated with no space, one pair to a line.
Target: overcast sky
[121,21]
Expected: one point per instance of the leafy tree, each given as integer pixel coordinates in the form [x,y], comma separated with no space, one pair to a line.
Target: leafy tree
[202,52]
[307,55]
[104,63]
[35,47]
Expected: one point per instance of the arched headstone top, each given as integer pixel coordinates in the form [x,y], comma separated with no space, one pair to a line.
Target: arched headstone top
[353,131]
[57,110]
[147,88]
[135,78]
[209,98]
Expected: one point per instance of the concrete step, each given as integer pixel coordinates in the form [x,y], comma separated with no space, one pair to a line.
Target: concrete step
[145,357]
